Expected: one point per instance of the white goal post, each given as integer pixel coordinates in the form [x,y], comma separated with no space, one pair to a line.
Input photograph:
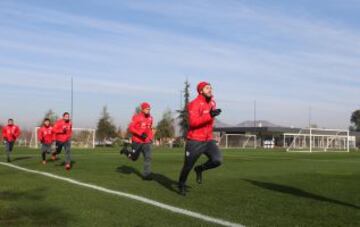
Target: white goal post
[238,141]
[82,138]
[319,140]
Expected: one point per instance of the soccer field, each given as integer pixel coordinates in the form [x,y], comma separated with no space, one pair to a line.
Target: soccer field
[252,188]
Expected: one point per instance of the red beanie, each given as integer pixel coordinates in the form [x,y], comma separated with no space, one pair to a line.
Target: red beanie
[144,105]
[201,86]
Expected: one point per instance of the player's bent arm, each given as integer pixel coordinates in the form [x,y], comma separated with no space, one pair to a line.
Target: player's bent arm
[3,133]
[39,135]
[133,127]
[17,132]
[57,129]
[196,120]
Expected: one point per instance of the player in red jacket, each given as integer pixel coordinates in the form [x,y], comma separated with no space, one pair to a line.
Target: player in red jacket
[63,133]
[142,137]
[10,134]
[46,138]
[202,112]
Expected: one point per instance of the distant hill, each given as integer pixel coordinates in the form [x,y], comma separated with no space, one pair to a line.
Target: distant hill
[260,123]
[220,124]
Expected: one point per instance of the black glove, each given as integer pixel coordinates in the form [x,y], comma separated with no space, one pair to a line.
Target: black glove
[215,112]
[144,136]
[42,141]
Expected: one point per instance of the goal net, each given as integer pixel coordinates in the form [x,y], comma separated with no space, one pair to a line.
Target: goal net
[82,138]
[238,141]
[319,140]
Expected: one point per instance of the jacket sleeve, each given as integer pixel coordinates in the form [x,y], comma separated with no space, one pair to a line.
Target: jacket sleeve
[53,134]
[133,127]
[40,135]
[3,133]
[17,132]
[57,129]
[196,120]
[71,130]
[151,132]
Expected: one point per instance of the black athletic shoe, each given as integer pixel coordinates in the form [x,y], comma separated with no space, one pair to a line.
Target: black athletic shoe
[124,151]
[198,174]
[8,160]
[182,190]
[148,178]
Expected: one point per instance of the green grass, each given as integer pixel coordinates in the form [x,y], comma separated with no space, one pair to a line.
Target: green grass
[254,188]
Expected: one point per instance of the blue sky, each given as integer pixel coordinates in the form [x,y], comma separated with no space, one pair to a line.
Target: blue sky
[287,55]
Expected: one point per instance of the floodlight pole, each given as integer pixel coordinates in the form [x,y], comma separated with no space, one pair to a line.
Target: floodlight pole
[310,116]
[348,140]
[181,99]
[72,99]
[255,114]
[310,139]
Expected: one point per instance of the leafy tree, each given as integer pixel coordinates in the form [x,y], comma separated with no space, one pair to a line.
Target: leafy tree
[1,127]
[51,115]
[119,133]
[106,129]
[183,113]
[165,128]
[355,120]
[137,110]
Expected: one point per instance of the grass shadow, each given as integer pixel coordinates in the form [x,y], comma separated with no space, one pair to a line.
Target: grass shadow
[63,163]
[298,192]
[21,158]
[161,179]
[28,208]
[35,194]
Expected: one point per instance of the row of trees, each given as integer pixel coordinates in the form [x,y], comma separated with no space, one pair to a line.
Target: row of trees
[355,121]
[165,128]
[106,130]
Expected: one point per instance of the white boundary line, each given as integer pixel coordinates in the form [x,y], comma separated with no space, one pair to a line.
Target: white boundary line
[130,196]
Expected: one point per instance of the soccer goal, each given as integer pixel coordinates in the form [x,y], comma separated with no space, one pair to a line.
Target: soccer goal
[318,140]
[238,141]
[82,138]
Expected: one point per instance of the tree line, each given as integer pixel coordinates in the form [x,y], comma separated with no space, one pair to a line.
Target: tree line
[108,132]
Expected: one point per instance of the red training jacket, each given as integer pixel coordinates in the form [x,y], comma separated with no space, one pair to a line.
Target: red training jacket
[201,124]
[11,133]
[46,135]
[62,130]
[141,124]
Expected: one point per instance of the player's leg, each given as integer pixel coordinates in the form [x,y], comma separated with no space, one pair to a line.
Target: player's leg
[214,160]
[8,150]
[67,149]
[147,152]
[193,150]
[126,149]
[58,147]
[136,150]
[43,150]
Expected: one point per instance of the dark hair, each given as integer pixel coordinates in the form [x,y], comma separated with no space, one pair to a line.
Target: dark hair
[10,119]
[66,113]
[46,119]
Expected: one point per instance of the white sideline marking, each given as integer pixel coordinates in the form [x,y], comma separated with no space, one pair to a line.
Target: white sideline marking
[130,196]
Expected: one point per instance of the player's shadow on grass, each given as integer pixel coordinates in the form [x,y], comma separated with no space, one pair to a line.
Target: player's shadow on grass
[35,194]
[165,181]
[298,192]
[31,206]
[21,158]
[62,163]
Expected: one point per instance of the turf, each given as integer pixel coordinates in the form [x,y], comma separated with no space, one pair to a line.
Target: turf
[253,187]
